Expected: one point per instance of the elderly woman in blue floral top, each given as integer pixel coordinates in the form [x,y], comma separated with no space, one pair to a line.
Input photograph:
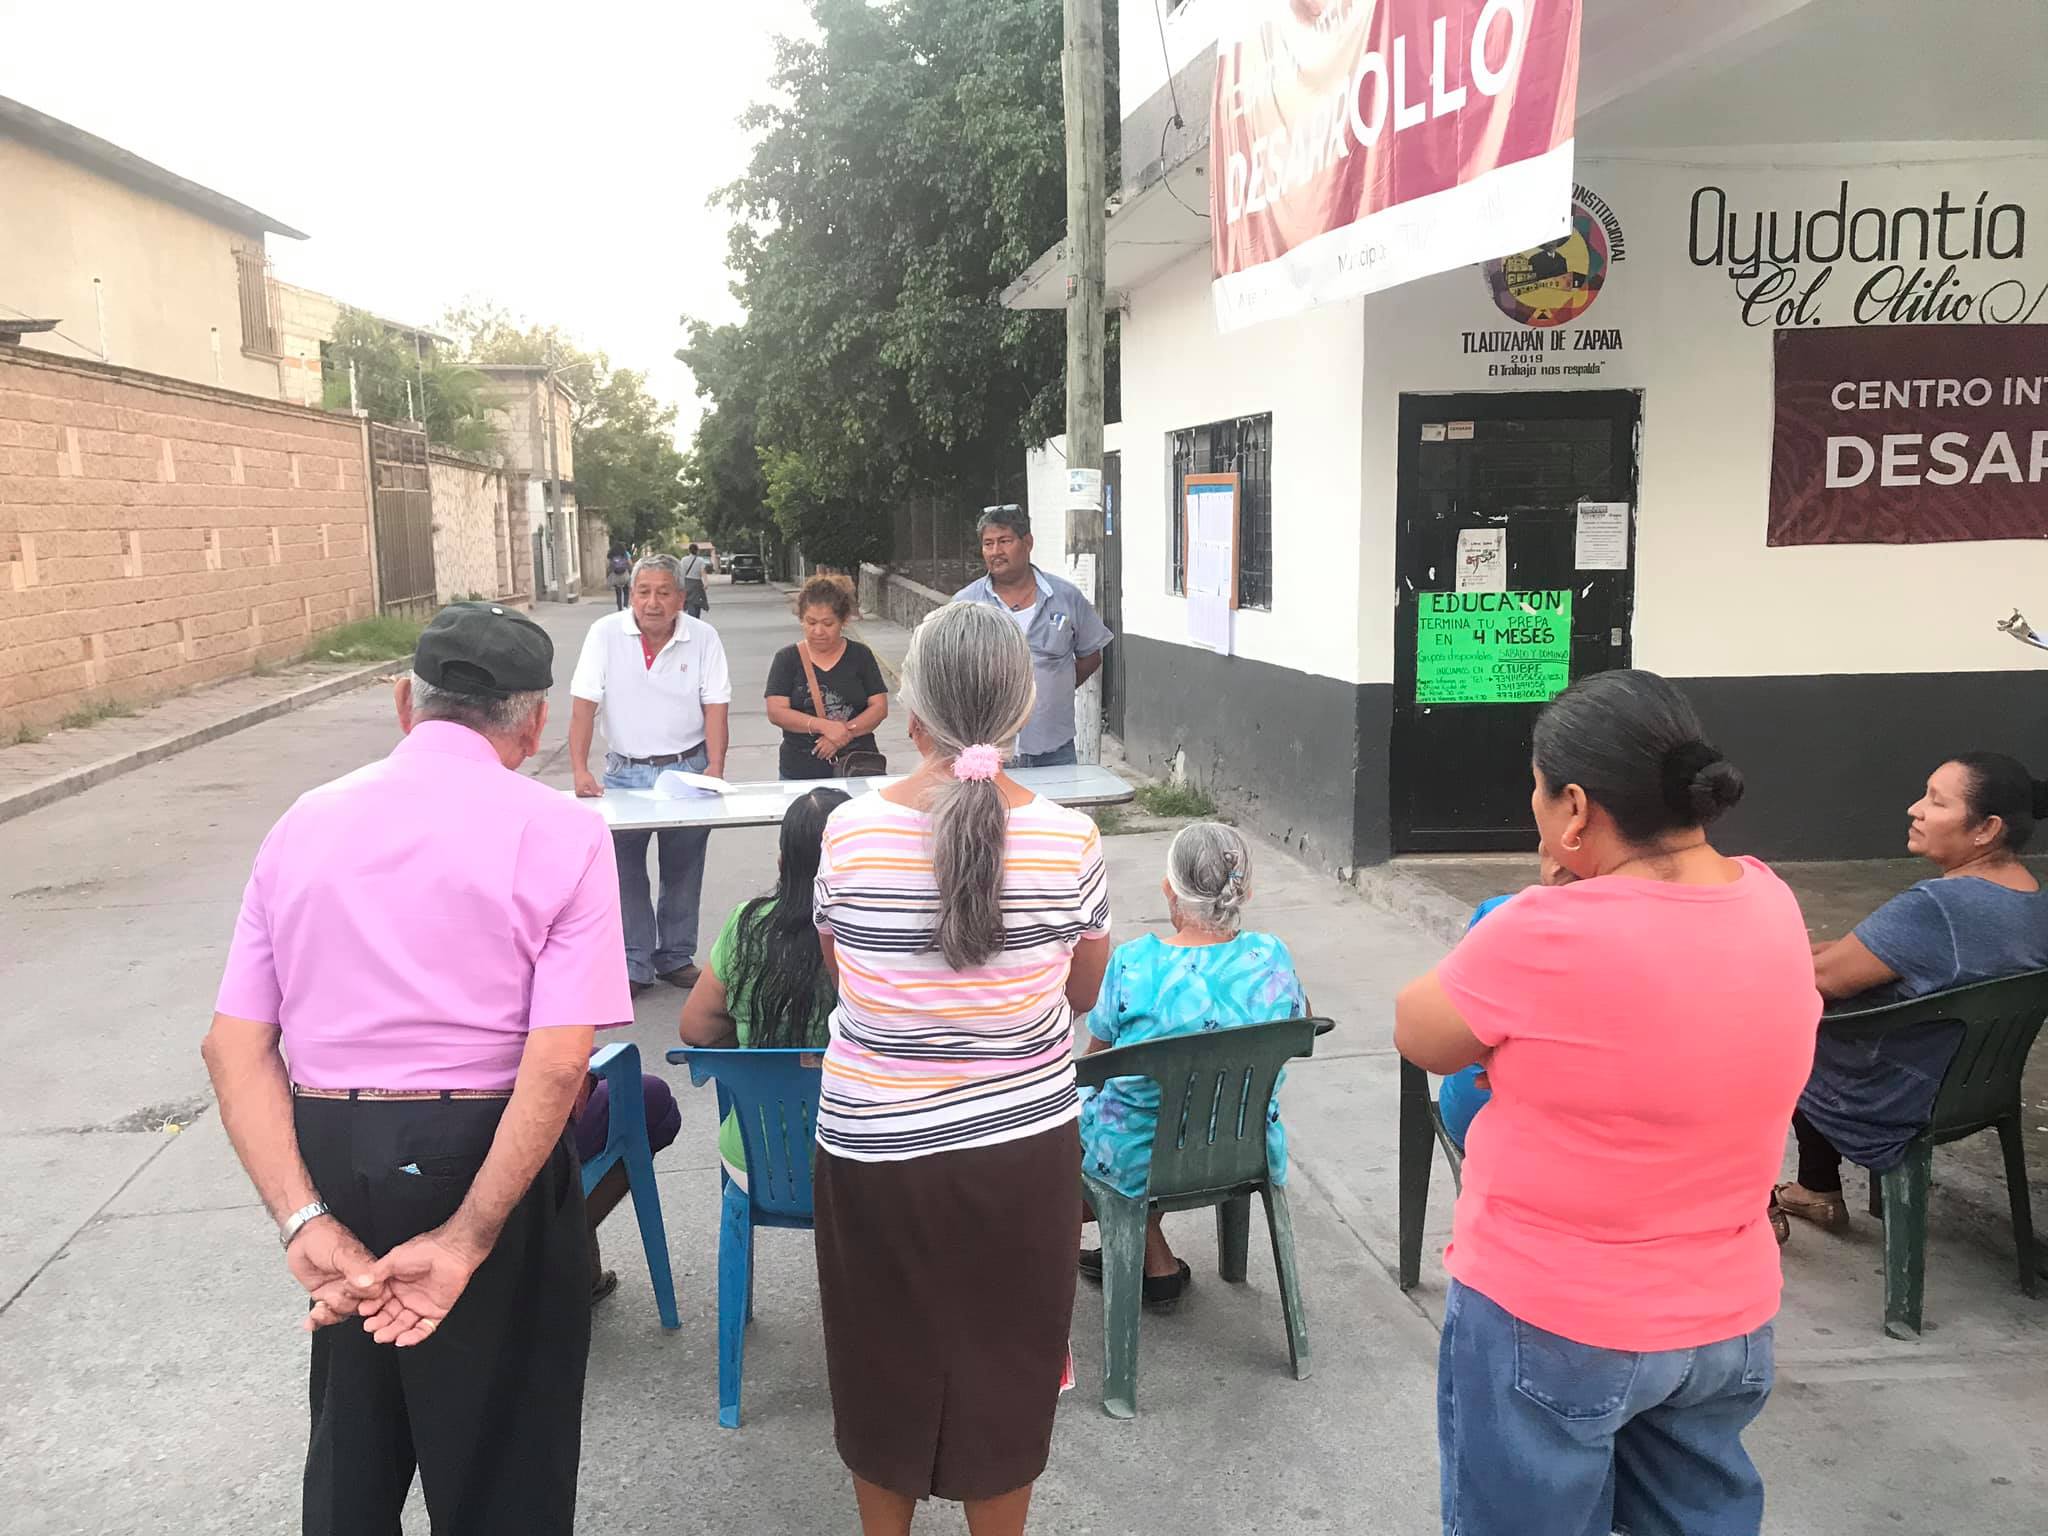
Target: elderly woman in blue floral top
[1206,975]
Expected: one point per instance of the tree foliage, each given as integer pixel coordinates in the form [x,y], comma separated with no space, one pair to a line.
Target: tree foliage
[400,379]
[911,164]
[627,462]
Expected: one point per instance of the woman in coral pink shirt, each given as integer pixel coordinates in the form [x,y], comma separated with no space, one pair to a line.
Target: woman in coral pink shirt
[1647,1029]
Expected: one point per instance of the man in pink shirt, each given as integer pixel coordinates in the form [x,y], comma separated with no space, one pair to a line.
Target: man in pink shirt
[424,949]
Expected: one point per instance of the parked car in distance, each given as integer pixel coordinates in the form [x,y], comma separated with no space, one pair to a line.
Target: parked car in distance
[746,568]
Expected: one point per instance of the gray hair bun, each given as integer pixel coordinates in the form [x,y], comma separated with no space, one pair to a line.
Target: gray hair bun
[1209,868]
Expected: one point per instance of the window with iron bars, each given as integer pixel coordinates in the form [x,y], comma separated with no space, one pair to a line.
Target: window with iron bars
[1245,446]
[259,300]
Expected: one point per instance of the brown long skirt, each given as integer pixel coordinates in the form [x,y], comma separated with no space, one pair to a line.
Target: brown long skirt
[947,1287]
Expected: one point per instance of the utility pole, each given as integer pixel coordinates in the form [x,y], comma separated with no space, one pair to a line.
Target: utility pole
[1081,72]
[556,540]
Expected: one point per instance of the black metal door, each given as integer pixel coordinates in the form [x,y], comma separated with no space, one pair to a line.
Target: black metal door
[1516,470]
[1110,584]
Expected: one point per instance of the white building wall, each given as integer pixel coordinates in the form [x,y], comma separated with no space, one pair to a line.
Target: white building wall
[1308,371]
[1712,599]
[1045,494]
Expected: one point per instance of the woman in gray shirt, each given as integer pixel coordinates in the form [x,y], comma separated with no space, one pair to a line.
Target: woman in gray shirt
[1983,917]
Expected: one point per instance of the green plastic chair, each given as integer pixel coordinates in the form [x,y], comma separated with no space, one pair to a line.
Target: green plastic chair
[1980,1092]
[1421,1122]
[1209,1149]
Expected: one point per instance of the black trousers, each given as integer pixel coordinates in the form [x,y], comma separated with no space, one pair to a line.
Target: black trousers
[490,1409]
[1820,1165]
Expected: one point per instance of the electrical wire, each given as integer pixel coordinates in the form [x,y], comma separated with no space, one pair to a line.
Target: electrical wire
[1176,121]
[91,352]
[1166,58]
[1166,178]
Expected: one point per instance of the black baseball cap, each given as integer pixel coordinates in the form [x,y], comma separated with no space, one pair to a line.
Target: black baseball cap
[485,650]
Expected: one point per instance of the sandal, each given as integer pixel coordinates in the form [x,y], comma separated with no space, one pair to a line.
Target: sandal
[1781,1224]
[603,1286]
[1828,1212]
[1163,1292]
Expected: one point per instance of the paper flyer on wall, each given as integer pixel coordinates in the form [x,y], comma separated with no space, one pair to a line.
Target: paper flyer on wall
[1601,543]
[1482,560]
[1212,553]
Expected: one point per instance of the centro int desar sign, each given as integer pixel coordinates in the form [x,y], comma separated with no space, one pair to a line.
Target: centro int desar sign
[1492,647]
[1357,144]
[1910,434]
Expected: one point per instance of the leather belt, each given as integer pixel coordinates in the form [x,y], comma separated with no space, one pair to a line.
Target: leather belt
[666,760]
[414,1095]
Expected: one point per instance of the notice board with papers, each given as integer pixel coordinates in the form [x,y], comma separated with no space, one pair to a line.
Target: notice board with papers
[1209,523]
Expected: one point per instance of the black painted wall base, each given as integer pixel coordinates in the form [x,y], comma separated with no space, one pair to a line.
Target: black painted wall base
[1832,762]
[1276,748]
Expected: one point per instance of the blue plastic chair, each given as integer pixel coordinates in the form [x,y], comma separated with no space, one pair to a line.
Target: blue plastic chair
[626,1142]
[774,1093]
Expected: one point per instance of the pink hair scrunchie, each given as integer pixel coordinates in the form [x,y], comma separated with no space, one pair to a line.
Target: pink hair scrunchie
[977,762]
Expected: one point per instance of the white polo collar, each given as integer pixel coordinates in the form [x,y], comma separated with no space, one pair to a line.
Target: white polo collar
[681,634]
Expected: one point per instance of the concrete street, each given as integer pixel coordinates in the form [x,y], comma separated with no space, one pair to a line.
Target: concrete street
[152,1372]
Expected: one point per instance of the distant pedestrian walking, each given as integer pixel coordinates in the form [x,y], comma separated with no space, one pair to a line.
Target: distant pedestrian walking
[431,940]
[620,573]
[696,596]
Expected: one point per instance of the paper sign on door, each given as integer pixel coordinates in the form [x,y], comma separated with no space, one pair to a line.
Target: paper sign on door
[1602,540]
[1482,560]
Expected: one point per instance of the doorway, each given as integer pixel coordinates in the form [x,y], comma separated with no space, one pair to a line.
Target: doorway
[1514,562]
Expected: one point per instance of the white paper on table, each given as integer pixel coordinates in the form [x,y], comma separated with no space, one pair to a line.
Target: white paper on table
[756,802]
[680,784]
[1602,538]
[1482,560]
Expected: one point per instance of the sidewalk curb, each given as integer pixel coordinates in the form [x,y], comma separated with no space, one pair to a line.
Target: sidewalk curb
[1437,913]
[64,785]
[895,677]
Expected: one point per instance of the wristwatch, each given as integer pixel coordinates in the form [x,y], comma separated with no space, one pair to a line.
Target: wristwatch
[296,1222]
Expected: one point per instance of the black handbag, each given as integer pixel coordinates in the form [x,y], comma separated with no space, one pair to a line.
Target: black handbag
[851,765]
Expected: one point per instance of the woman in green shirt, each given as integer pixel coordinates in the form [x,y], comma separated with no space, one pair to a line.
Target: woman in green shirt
[765,984]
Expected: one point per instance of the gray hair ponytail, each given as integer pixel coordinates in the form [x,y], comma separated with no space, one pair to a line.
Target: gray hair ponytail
[1209,868]
[967,679]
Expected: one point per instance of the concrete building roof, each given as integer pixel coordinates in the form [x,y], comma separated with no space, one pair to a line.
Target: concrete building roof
[18,120]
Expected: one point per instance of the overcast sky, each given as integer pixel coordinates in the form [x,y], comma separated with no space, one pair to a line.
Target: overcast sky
[553,157]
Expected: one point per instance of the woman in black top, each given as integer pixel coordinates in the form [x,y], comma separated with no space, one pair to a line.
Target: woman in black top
[855,699]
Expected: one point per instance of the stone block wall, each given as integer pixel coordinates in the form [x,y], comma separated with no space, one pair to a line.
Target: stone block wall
[886,595]
[473,529]
[155,535]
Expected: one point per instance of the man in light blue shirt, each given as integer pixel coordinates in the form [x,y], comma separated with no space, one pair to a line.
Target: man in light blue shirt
[1066,636]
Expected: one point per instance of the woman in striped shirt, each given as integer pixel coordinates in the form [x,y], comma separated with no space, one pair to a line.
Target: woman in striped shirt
[964,919]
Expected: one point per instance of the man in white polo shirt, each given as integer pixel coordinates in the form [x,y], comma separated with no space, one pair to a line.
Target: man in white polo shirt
[657,678]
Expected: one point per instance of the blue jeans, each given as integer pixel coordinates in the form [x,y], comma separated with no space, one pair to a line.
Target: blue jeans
[1058,757]
[665,939]
[1541,1436]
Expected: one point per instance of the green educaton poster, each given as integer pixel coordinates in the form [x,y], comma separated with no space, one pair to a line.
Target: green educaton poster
[1492,647]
